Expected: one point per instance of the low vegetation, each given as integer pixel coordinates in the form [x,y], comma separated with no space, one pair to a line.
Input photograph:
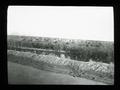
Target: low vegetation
[99,51]
[81,58]
[92,70]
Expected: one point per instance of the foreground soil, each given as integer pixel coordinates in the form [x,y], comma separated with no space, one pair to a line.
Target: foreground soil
[22,74]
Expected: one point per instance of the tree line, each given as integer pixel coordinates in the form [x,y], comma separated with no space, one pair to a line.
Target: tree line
[82,51]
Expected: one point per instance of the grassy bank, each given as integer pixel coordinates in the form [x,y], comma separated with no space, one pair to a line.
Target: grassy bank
[92,70]
[23,74]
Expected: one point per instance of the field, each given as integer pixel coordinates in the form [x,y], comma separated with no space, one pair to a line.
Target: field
[91,70]
[20,74]
[100,51]
[86,59]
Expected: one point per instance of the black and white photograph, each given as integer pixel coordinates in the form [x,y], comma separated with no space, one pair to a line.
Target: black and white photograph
[60,45]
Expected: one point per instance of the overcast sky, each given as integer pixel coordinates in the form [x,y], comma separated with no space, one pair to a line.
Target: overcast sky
[87,23]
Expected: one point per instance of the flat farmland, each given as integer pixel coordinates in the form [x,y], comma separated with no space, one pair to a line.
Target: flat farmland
[22,74]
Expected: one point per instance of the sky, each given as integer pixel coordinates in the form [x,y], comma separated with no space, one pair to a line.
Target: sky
[71,22]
